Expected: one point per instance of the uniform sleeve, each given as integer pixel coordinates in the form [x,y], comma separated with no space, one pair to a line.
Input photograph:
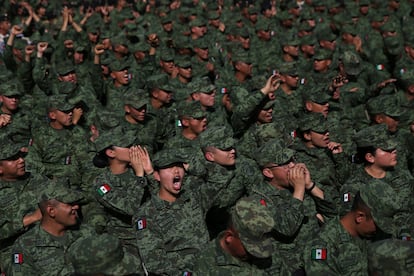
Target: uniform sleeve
[319,259]
[120,200]
[22,263]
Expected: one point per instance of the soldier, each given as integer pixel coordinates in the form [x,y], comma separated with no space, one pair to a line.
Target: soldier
[339,248]
[246,239]
[171,226]
[19,195]
[43,249]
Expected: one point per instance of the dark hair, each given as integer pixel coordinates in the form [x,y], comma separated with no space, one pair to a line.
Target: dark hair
[359,157]
[101,160]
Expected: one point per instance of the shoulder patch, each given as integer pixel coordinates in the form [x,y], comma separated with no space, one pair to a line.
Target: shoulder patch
[141,224]
[17,258]
[263,202]
[346,197]
[319,254]
[104,189]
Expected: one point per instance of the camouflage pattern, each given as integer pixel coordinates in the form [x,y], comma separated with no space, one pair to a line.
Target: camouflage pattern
[102,254]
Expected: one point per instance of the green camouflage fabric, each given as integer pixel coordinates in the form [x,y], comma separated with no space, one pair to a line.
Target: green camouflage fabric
[120,195]
[335,252]
[391,257]
[18,198]
[218,137]
[43,254]
[384,104]
[376,136]
[102,254]
[273,152]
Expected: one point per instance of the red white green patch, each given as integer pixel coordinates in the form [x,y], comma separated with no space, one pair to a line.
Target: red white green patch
[347,197]
[319,254]
[104,189]
[141,224]
[17,258]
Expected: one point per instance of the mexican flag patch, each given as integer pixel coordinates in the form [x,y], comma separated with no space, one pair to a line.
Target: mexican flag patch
[141,224]
[17,258]
[104,189]
[347,197]
[319,254]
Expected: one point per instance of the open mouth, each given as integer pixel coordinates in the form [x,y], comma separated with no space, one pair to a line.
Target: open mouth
[177,183]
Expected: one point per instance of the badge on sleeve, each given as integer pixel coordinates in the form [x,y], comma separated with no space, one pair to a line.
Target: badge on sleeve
[187,273]
[347,197]
[104,189]
[319,254]
[141,223]
[17,258]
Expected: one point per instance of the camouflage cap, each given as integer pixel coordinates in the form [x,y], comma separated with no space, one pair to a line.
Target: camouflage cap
[141,46]
[352,63]
[242,56]
[253,222]
[197,22]
[289,68]
[183,62]
[20,43]
[376,136]
[201,43]
[391,257]
[118,65]
[191,109]
[382,200]
[394,45]
[64,68]
[104,254]
[317,93]
[273,152]
[168,157]
[291,39]
[11,88]
[59,102]
[322,54]
[349,29]
[167,55]
[217,136]
[390,26]
[384,104]
[313,121]
[201,85]
[268,105]
[8,149]
[105,120]
[59,189]
[213,15]
[160,81]
[136,99]
[308,40]
[112,137]
[262,24]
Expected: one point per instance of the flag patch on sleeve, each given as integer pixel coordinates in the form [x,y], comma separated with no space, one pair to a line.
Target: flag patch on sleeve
[141,224]
[104,189]
[346,197]
[17,258]
[319,254]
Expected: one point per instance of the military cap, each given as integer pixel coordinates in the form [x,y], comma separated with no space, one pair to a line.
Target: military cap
[290,39]
[391,257]
[159,81]
[167,55]
[253,222]
[262,24]
[243,32]
[137,99]
[268,104]
[59,189]
[183,62]
[217,136]
[118,65]
[257,82]
[191,109]
[382,200]
[182,42]
[8,149]
[376,136]
[105,34]
[59,102]
[308,40]
[350,29]
[112,137]
[202,85]
[285,15]
[106,60]
[390,26]
[104,254]
[242,56]
[197,22]
[394,45]
[213,15]
[201,43]
[313,121]
[253,10]
[288,68]
[352,63]
[64,68]
[325,35]
[384,104]
[106,120]
[20,43]
[11,88]
[168,157]
[316,93]
[322,54]
[167,19]
[273,152]
[120,40]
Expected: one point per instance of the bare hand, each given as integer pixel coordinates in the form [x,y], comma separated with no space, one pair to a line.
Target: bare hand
[297,177]
[5,119]
[99,49]
[145,160]
[272,84]
[335,147]
[135,161]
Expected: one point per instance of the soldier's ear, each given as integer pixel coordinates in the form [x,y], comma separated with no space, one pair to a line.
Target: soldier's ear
[157,175]
[110,152]
[52,115]
[127,109]
[308,106]
[369,157]
[360,216]
[209,156]
[267,172]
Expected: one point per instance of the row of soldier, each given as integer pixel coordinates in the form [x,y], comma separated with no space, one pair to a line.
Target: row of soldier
[218,146]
